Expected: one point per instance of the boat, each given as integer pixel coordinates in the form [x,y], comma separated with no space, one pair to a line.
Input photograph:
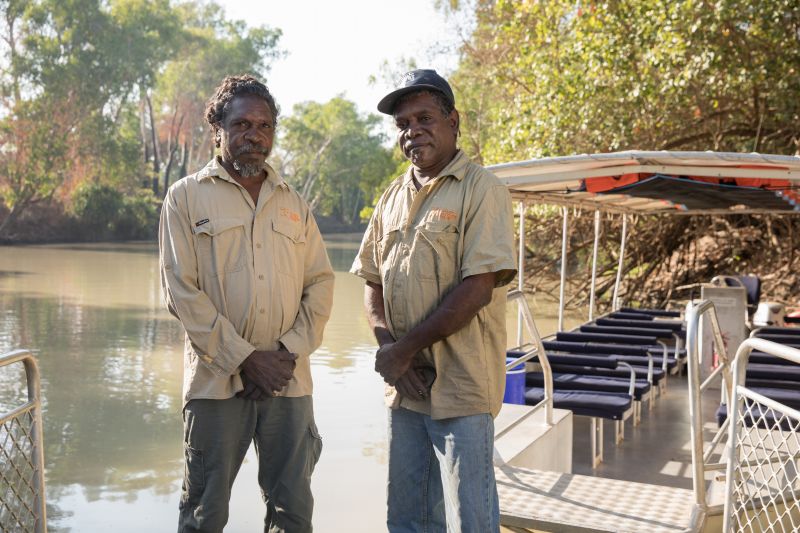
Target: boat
[743,468]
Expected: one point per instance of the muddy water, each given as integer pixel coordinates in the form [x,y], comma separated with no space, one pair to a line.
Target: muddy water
[110,358]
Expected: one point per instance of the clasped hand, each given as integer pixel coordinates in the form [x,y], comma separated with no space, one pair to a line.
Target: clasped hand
[266,372]
[395,367]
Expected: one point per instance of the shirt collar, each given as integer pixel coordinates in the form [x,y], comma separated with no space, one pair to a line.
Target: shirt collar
[215,169]
[456,168]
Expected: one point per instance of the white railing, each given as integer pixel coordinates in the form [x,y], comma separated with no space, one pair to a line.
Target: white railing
[22,494]
[535,350]
[762,480]
[701,459]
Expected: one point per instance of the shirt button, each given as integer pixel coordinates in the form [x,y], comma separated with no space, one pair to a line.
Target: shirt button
[258,245]
[261,276]
[262,310]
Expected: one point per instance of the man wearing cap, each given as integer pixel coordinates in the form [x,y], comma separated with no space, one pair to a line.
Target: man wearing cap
[436,257]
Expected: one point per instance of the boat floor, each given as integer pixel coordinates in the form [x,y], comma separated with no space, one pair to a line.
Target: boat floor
[657,452]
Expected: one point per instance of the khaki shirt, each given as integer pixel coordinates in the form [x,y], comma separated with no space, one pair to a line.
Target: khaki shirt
[419,245]
[242,277]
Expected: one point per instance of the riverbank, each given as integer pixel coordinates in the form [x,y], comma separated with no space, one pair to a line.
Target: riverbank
[52,224]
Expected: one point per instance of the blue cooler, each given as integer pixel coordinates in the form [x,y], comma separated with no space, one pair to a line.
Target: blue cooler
[515,384]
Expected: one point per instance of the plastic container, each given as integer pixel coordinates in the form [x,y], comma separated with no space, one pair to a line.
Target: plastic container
[515,384]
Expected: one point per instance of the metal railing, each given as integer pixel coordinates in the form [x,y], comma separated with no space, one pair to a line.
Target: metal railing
[536,350]
[22,494]
[701,459]
[762,481]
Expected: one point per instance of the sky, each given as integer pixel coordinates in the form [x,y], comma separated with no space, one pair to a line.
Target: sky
[333,47]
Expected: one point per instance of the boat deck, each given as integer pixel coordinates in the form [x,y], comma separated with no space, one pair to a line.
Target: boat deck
[658,451]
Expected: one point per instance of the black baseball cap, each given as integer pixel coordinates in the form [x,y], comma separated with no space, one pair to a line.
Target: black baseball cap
[416,80]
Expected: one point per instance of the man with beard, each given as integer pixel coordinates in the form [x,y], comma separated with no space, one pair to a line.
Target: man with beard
[244,268]
[436,257]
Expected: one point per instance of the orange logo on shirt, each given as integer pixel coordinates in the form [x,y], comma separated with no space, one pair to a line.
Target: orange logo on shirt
[291,215]
[439,213]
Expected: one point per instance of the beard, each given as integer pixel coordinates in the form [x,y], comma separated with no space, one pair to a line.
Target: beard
[247,170]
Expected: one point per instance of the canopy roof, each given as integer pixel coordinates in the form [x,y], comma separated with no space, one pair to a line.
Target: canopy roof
[660,182]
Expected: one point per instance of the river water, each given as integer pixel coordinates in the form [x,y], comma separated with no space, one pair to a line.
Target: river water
[111,360]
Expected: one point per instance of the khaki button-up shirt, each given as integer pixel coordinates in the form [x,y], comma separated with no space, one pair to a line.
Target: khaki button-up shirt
[419,245]
[241,277]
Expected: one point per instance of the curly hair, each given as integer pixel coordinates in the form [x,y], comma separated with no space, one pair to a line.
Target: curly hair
[231,87]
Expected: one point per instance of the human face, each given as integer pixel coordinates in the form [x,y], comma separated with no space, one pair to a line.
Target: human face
[246,134]
[426,136]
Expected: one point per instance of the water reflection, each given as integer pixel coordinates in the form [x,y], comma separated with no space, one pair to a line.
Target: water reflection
[111,365]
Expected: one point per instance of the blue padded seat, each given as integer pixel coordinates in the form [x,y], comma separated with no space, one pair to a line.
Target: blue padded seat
[589,383]
[768,359]
[572,360]
[590,348]
[610,405]
[788,340]
[615,330]
[651,312]
[640,371]
[596,365]
[752,382]
[675,325]
[777,330]
[787,397]
[755,414]
[637,340]
[776,372]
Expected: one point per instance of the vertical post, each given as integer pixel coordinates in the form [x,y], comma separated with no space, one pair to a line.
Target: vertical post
[564,237]
[615,301]
[521,267]
[37,437]
[594,263]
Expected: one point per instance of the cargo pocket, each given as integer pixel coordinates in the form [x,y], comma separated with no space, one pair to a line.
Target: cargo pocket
[222,246]
[194,476]
[289,244]
[314,448]
[436,248]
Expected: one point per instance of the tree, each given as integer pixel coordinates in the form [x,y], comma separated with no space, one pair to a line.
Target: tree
[179,137]
[70,70]
[333,156]
[558,77]
[561,77]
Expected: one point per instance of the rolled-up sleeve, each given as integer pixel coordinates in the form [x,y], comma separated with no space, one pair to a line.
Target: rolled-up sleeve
[489,235]
[213,337]
[305,335]
[366,264]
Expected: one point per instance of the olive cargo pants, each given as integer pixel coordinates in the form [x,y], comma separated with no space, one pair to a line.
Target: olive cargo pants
[217,434]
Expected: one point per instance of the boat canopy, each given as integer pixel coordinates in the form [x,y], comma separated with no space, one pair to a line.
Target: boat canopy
[659,182]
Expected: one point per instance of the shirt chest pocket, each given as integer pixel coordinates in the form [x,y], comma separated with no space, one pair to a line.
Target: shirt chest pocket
[435,254]
[289,243]
[221,246]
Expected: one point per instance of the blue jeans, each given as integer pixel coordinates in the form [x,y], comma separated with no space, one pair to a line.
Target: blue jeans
[441,476]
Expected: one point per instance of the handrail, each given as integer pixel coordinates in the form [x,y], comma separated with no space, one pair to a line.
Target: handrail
[740,361]
[537,351]
[696,389]
[34,404]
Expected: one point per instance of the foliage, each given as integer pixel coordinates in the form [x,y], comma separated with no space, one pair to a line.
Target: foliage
[111,92]
[559,77]
[334,157]
[106,213]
